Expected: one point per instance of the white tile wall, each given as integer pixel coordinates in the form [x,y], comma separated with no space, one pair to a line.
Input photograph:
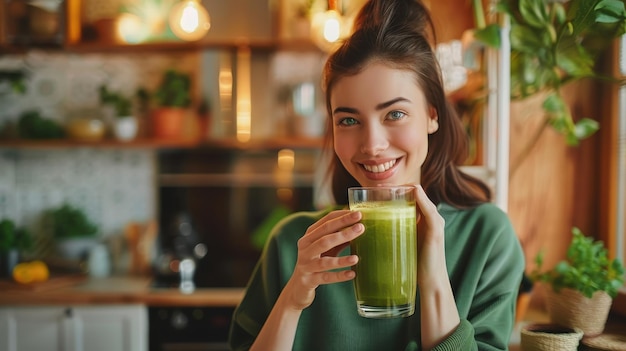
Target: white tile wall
[112,186]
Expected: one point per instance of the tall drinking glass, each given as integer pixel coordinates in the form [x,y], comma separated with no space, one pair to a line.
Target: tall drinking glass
[386,274]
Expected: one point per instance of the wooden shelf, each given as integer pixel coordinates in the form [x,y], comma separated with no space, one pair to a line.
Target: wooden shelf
[227,144]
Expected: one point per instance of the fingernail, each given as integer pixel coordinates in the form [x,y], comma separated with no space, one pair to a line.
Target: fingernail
[357,228]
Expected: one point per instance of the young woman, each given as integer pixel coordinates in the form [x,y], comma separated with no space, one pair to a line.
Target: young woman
[389,124]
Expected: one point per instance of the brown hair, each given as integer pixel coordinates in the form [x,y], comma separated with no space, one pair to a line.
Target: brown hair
[398,33]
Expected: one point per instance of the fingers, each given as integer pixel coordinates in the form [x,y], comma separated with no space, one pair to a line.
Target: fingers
[428,210]
[328,270]
[314,245]
[333,222]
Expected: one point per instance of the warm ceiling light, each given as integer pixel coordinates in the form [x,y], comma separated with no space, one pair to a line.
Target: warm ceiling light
[327,28]
[189,20]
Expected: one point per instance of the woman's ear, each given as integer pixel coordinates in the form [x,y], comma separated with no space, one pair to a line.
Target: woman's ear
[433,120]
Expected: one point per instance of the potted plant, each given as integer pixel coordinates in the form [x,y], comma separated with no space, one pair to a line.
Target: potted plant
[13,241]
[74,233]
[171,101]
[125,124]
[554,43]
[580,289]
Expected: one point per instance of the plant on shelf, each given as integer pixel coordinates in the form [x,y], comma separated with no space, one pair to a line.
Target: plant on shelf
[554,43]
[73,231]
[15,79]
[125,125]
[13,242]
[586,277]
[32,125]
[122,105]
[168,103]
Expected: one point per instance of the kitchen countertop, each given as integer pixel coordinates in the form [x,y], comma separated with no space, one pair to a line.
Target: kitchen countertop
[115,290]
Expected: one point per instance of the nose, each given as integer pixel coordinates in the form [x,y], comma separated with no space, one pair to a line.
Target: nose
[374,139]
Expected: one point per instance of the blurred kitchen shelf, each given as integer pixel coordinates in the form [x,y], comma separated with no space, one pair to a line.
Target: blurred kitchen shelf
[227,144]
[235,180]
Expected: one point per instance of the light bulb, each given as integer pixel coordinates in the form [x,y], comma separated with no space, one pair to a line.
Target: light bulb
[326,29]
[189,20]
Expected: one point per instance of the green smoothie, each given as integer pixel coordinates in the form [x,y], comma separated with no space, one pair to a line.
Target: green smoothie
[387,269]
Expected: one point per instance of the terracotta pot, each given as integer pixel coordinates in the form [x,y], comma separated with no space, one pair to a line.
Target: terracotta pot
[572,309]
[168,123]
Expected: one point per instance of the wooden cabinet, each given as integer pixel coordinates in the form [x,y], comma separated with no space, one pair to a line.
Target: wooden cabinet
[74,328]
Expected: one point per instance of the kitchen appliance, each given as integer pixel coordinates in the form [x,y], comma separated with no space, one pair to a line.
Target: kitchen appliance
[189,328]
[181,250]
[217,206]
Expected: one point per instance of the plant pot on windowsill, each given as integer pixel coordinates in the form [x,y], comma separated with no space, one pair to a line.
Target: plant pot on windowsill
[571,308]
[580,289]
[550,337]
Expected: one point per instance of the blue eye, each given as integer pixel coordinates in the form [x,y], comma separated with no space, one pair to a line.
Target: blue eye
[396,115]
[348,121]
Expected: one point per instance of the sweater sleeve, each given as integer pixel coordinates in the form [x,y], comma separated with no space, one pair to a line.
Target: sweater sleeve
[487,285]
[261,293]
[274,268]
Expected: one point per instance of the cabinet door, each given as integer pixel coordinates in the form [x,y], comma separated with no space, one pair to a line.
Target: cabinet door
[32,329]
[106,328]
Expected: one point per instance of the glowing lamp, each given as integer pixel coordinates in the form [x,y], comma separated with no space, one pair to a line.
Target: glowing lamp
[189,20]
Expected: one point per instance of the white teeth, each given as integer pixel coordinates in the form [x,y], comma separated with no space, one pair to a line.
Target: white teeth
[380,167]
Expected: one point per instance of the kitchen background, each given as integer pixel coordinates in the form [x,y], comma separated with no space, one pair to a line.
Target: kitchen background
[257,55]
[259,65]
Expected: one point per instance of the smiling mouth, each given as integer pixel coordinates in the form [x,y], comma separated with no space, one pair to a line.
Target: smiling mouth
[380,168]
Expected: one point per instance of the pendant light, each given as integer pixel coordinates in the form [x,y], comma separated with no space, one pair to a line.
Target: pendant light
[189,20]
[327,28]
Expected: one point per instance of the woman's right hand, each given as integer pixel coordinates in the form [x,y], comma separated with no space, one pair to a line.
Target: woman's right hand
[317,256]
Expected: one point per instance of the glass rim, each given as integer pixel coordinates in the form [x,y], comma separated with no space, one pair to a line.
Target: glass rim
[383,187]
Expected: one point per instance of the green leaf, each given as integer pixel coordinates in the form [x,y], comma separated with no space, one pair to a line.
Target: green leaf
[583,14]
[610,11]
[554,104]
[586,127]
[534,13]
[575,60]
[528,40]
[490,35]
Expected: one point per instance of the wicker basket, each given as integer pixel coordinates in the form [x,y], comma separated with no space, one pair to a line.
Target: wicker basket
[572,309]
[550,337]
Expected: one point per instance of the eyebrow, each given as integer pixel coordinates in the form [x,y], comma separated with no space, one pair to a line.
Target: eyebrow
[380,106]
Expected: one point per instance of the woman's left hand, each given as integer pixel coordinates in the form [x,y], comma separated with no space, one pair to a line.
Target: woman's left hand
[430,241]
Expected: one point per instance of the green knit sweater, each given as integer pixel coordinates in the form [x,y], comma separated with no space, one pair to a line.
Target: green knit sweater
[485,266]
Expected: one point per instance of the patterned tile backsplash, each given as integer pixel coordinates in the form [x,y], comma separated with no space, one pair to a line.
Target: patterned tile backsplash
[61,85]
[112,186]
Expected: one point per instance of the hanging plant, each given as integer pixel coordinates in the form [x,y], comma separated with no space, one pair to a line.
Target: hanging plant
[555,42]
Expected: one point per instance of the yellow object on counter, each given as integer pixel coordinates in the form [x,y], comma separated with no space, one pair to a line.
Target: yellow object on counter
[31,272]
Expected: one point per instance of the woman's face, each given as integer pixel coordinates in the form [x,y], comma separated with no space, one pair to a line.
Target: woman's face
[381,123]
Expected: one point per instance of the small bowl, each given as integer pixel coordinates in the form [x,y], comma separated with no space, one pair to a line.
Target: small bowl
[86,129]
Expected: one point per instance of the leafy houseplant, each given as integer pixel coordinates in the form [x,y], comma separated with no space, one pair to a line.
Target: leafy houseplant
[555,42]
[587,275]
[169,103]
[73,230]
[587,268]
[13,240]
[174,90]
[122,105]
[125,125]
[71,222]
